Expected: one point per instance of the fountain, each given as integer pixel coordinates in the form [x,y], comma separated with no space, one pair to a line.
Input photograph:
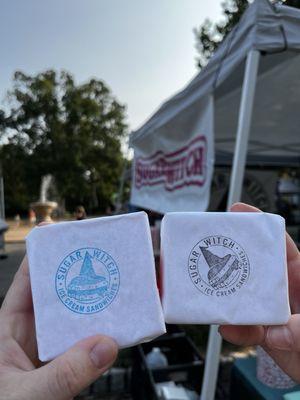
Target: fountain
[43,208]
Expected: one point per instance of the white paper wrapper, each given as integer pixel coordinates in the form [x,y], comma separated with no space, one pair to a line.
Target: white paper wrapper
[92,277]
[224,268]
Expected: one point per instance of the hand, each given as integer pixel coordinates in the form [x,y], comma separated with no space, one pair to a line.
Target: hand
[282,342]
[21,375]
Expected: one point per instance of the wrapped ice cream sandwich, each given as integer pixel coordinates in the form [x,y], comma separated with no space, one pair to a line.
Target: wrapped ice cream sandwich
[93,277]
[224,268]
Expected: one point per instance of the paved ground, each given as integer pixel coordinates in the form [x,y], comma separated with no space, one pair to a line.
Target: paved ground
[9,266]
[17,231]
[15,249]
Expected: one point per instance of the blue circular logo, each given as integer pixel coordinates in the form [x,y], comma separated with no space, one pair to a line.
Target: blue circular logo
[87,280]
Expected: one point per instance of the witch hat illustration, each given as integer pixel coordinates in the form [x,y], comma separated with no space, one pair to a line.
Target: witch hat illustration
[87,285]
[220,268]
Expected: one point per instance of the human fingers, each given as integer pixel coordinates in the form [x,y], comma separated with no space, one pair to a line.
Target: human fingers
[70,373]
[293,260]
[282,342]
[243,207]
[284,337]
[243,335]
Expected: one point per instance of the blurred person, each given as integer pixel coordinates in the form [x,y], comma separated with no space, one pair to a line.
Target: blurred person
[17,220]
[31,216]
[80,213]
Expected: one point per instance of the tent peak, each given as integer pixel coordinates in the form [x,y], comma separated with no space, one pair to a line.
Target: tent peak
[266,27]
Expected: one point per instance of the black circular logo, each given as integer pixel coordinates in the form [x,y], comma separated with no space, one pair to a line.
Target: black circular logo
[218,266]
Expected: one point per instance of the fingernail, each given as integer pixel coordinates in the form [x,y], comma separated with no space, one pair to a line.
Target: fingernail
[279,337]
[103,353]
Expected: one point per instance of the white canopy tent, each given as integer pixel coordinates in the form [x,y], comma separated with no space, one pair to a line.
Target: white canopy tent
[254,78]
[275,32]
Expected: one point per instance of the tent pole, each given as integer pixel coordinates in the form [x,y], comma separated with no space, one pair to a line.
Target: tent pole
[235,191]
[244,123]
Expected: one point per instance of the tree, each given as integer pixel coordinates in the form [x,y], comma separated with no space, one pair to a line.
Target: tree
[209,35]
[73,132]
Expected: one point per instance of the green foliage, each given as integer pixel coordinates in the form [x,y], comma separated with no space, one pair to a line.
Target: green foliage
[209,35]
[73,132]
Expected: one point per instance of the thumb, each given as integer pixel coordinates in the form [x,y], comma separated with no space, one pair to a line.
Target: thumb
[284,337]
[70,373]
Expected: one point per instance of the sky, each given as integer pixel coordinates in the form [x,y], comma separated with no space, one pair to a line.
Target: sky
[143,49]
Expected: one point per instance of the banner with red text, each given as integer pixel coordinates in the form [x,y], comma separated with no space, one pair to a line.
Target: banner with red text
[173,166]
